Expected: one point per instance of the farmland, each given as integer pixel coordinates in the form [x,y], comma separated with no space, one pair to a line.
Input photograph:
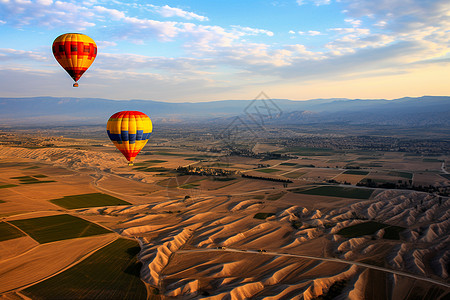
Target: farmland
[110,273]
[88,200]
[59,227]
[206,235]
[337,191]
[268,170]
[8,232]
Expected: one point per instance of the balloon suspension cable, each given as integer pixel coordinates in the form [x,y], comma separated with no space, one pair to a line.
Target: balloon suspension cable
[75,84]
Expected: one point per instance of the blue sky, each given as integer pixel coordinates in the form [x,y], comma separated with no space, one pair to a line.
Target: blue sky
[214,50]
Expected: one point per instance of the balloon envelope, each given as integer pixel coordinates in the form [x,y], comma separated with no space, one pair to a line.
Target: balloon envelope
[75,52]
[129,131]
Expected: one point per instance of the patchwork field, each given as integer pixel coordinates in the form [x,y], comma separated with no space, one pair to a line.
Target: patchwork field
[8,232]
[88,200]
[342,192]
[110,273]
[58,227]
[100,229]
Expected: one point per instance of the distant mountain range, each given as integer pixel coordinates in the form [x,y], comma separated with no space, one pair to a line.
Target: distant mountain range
[45,111]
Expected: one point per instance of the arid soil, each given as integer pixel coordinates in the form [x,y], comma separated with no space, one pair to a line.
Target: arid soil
[243,238]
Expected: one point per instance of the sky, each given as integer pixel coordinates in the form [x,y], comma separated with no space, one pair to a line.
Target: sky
[193,51]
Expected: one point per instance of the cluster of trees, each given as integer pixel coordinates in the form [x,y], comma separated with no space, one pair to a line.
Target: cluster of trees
[267,178]
[204,171]
[404,184]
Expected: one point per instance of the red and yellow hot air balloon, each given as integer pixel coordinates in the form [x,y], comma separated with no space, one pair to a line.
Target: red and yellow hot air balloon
[129,131]
[75,52]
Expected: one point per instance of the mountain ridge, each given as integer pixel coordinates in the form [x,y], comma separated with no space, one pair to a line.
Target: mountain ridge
[410,111]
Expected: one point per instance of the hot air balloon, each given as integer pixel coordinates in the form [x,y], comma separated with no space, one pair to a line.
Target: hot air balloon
[129,131]
[75,52]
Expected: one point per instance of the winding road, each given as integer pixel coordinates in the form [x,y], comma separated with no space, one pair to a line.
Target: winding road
[396,272]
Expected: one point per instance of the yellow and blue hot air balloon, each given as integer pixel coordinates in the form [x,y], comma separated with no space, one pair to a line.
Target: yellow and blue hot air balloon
[129,131]
[75,52]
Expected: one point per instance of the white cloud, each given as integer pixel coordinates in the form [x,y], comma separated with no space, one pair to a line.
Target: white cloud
[21,55]
[380,24]
[123,26]
[315,2]
[114,13]
[20,13]
[250,31]
[353,31]
[45,2]
[353,22]
[402,15]
[321,2]
[313,32]
[105,44]
[310,33]
[405,32]
[167,12]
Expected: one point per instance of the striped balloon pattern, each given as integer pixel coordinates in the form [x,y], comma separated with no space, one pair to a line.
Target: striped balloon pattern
[129,131]
[75,52]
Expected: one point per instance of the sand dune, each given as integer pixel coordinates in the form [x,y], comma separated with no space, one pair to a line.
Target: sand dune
[247,205]
[183,288]
[352,244]
[278,275]
[320,285]
[155,258]
[73,158]
[359,286]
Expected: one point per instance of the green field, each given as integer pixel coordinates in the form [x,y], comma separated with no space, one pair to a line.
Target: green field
[312,151]
[222,178]
[268,170]
[368,157]
[5,186]
[356,172]
[59,227]
[189,186]
[432,160]
[32,167]
[155,161]
[32,179]
[406,175]
[37,181]
[88,200]
[110,273]
[295,174]
[263,216]
[152,169]
[167,153]
[368,228]
[288,164]
[40,176]
[149,162]
[337,191]
[9,232]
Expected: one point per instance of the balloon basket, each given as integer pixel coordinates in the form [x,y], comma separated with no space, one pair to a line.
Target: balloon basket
[130,164]
[75,84]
